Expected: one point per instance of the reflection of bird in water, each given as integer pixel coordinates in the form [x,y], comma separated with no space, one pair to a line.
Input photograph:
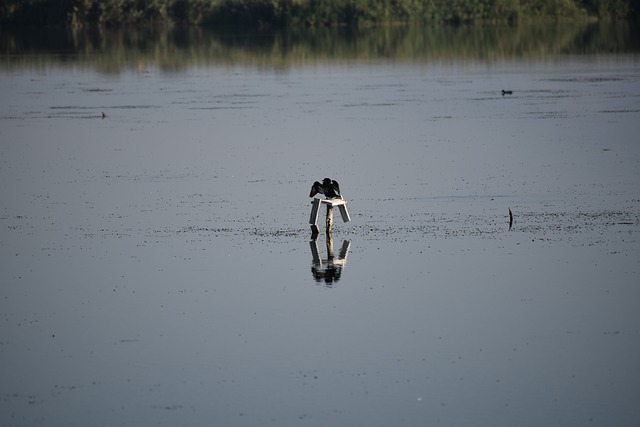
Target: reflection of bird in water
[330,275]
[328,187]
[328,270]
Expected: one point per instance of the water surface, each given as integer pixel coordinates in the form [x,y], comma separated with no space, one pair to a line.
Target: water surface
[157,265]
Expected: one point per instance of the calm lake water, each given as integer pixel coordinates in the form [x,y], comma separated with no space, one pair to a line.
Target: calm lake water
[156,266]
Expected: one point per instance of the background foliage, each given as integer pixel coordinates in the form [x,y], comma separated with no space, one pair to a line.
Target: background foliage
[280,13]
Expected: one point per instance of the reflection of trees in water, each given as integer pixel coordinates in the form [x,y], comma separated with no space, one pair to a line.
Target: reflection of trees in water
[114,51]
[328,269]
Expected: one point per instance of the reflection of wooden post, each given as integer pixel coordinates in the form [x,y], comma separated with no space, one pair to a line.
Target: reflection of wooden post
[329,247]
[329,269]
[329,221]
[344,250]
[315,253]
[315,230]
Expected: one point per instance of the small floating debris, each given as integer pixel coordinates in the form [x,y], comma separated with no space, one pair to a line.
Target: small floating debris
[510,219]
[507,92]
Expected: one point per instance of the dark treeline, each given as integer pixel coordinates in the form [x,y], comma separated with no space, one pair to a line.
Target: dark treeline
[302,13]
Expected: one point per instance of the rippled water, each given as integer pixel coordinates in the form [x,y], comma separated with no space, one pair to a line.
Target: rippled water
[157,268]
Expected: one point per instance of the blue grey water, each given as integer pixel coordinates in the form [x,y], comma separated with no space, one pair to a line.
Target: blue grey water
[156,266]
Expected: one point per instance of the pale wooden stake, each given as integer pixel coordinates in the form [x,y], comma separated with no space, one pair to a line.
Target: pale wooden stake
[344,213]
[315,207]
[329,221]
[313,220]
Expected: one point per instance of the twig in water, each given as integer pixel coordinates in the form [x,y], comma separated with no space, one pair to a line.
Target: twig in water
[510,219]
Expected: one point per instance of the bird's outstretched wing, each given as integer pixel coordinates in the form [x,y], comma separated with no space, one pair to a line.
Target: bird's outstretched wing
[336,187]
[315,189]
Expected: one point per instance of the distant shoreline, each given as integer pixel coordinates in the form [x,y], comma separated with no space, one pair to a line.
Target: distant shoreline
[304,13]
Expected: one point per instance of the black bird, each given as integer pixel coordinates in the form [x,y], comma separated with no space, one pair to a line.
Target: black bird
[507,92]
[328,187]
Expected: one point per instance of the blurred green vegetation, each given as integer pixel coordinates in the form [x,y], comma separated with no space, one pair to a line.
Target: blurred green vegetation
[181,48]
[302,13]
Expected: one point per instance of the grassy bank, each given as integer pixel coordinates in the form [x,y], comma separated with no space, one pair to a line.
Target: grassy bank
[298,13]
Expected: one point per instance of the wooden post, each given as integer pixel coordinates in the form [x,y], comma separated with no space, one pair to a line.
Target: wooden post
[315,207]
[344,212]
[329,247]
[313,220]
[329,219]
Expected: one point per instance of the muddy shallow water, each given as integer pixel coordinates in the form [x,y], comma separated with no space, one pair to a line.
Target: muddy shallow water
[157,268]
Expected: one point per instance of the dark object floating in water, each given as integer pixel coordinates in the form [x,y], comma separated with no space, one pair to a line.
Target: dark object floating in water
[510,219]
[328,187]
[104,115]
[507,92]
